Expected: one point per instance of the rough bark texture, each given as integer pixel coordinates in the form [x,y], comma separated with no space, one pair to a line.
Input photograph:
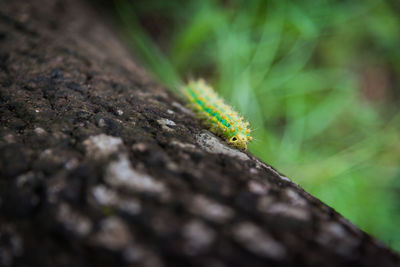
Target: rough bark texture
[100,166]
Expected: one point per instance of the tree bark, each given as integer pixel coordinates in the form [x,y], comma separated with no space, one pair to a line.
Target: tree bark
[101,166]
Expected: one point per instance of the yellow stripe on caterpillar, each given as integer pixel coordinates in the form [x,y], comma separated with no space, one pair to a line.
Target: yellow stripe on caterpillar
[222,119]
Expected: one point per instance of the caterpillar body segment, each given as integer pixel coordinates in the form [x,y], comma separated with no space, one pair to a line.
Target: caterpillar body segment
[220,117]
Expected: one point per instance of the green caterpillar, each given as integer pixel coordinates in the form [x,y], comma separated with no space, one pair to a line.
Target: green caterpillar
[220,117]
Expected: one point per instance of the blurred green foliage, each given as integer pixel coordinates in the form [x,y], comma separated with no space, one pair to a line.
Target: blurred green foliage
[318,81]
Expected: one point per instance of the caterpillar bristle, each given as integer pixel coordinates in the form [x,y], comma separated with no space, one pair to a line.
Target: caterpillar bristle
[222,119]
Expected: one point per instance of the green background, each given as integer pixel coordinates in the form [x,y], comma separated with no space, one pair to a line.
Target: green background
[318,81]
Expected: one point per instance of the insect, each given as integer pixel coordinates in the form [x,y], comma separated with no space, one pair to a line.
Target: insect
[220,117]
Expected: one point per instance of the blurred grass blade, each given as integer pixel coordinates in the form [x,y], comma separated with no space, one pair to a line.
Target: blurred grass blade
[145,48]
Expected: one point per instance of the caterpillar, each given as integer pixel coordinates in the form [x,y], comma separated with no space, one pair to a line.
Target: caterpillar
[222,119]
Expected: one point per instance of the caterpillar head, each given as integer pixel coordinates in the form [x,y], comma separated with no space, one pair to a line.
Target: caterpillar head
[239,140]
